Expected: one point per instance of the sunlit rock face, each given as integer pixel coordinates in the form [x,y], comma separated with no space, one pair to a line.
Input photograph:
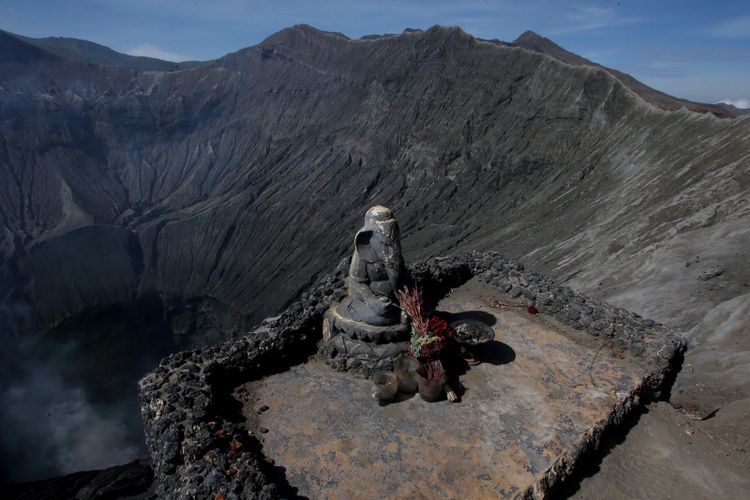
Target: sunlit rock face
[238,183]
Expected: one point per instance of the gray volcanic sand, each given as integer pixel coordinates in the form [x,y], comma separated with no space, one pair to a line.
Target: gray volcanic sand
[667,455]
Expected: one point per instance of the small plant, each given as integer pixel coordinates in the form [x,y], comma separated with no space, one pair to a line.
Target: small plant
[411,302]
[429,334]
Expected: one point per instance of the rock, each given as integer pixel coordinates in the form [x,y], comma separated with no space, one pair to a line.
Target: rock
[572,314]
[133,480]
[599,325]
[585,321]
[711,272]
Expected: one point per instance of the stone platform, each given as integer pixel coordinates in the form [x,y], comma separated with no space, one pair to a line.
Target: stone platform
[553,383]
[541,392]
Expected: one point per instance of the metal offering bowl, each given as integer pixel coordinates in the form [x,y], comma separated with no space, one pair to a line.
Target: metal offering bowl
[472,333]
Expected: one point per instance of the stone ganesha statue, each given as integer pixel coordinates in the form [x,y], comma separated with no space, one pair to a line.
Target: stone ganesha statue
[375,271]
[369,322]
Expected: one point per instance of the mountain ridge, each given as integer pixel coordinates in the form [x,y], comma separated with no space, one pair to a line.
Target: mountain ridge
[15,50]
[90,52]
[85,51]
[533,41]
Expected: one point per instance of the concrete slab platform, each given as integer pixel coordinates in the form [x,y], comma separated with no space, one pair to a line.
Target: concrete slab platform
[542,390]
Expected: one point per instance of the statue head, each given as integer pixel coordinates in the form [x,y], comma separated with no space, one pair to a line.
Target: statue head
[378,215]
[386,238]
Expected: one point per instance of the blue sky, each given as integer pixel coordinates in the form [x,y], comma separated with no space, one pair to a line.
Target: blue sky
[694,49]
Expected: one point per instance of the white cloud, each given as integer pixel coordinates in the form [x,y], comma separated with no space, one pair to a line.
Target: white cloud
[589,18]
[742,103]
[738,27]
[147,50]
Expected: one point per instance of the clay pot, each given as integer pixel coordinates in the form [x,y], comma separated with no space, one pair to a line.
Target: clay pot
[430,390]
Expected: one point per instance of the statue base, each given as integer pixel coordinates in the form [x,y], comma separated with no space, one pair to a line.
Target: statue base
[335,323]
[351,345]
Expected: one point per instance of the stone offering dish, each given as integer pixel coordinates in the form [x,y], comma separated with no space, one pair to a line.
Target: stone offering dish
[472,333]
[266,415]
